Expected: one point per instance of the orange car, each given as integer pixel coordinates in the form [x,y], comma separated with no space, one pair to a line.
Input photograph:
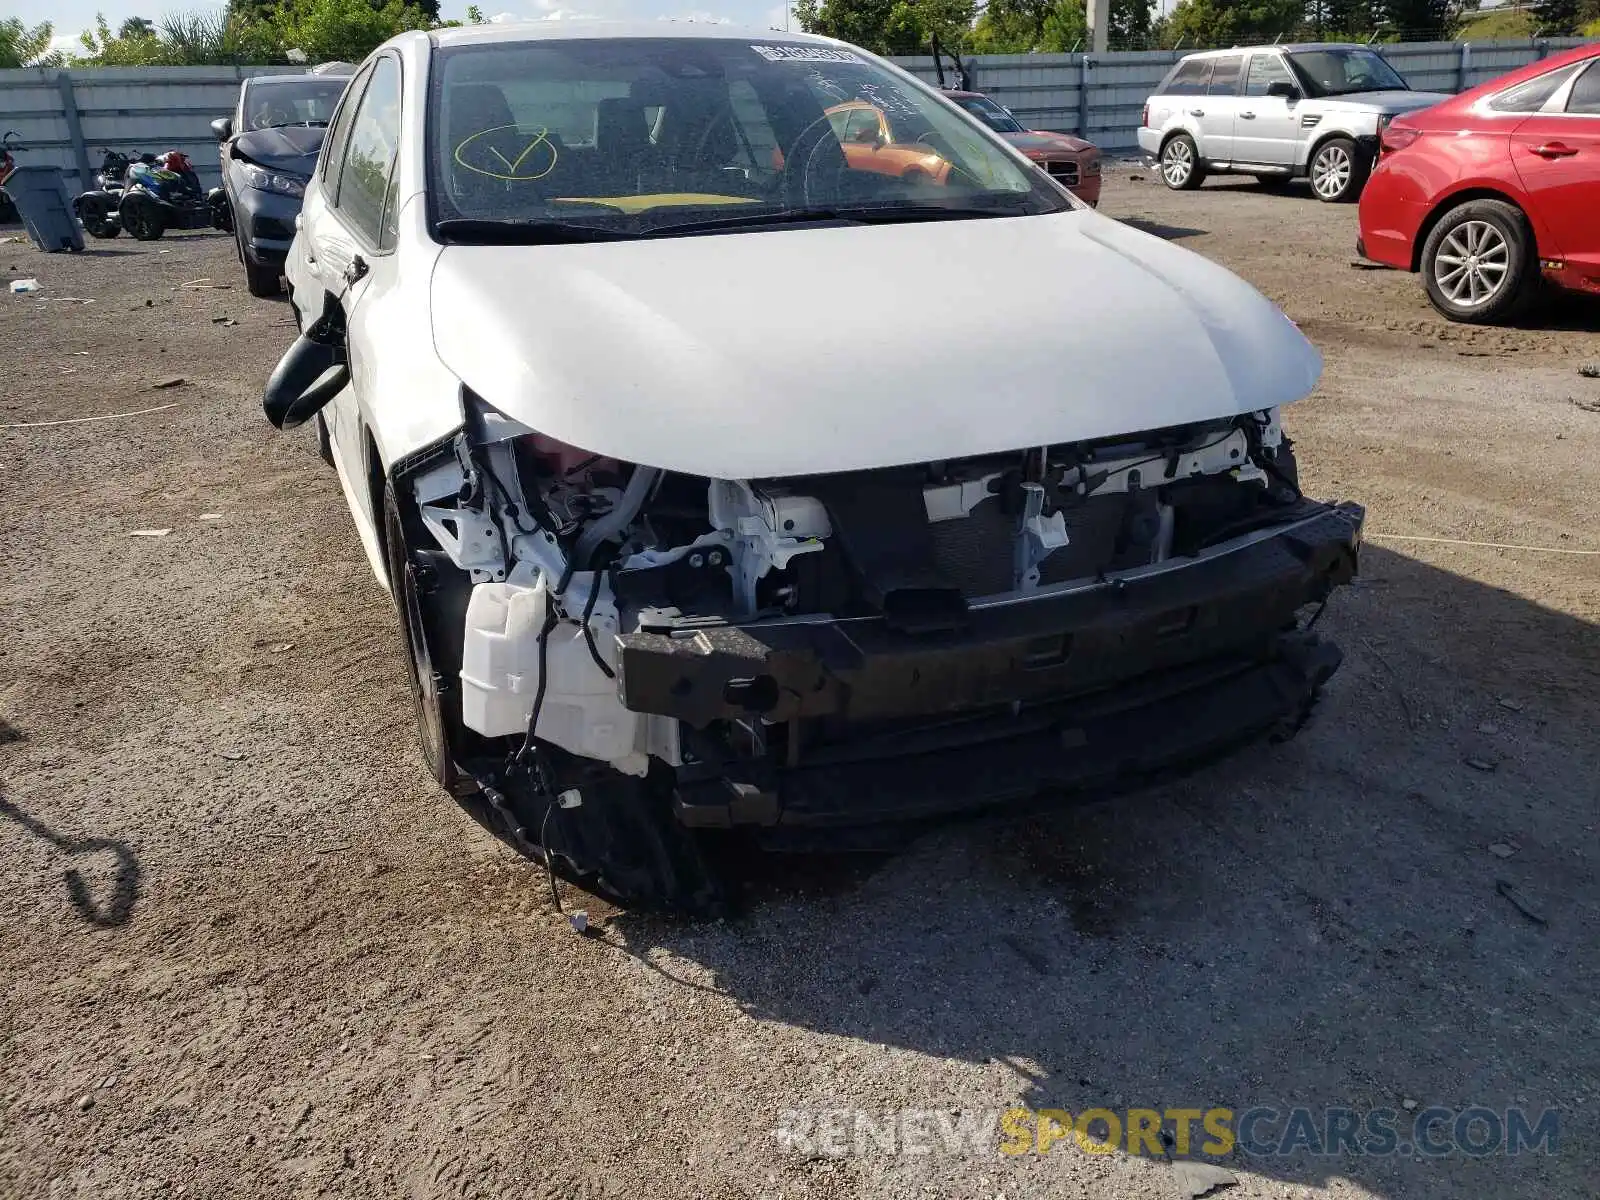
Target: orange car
[868,143]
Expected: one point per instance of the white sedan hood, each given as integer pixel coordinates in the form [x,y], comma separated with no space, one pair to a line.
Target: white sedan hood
[799,351]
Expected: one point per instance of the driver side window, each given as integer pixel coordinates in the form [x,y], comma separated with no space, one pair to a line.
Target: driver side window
[333,147]
[363,193]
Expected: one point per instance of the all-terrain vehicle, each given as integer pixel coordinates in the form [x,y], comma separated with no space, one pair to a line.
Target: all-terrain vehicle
[156,194]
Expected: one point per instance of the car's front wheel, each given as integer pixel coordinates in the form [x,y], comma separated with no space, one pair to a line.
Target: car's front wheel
[1478,264]
[1338,171]
[1180,164]
[431,699]
[262,279]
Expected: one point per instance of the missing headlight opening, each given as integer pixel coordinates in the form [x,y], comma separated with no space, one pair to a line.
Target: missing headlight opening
[787,656]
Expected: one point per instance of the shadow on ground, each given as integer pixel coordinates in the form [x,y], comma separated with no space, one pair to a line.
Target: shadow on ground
[1321,923]
[116,906]
[1171,233]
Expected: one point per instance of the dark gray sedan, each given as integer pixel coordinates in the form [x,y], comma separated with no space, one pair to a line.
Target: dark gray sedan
[269,149]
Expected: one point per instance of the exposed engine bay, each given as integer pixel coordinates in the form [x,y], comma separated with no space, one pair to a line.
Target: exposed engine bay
[724,635]
[597,548]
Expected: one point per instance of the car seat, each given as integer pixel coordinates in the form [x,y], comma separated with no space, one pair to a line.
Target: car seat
[478,113]
[629,161]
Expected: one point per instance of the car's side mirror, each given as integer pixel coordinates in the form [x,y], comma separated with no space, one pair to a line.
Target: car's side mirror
[1282,87]
[305,379]
[222,128]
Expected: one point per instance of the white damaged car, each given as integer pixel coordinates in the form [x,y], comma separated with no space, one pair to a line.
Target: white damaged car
[705,507]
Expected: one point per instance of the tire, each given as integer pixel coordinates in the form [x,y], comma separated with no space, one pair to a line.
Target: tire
[324,442]
[438,709]
[262,280]
[142,219]
[1180,164]
[623,841]
[95,213]
[1338,171]
[1463,254]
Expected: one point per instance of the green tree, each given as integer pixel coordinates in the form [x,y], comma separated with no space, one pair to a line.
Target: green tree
[1212,23]
[344,30]
[183,40]
[102,48]
[1337,20]
[1021,26]
[1562,18]
[24,47]
[1419,20]
[889,26]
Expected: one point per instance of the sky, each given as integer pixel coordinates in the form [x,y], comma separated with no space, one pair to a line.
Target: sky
[69,17]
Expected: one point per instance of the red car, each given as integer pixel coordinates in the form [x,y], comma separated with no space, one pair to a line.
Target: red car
[1494,188]
[1070,161]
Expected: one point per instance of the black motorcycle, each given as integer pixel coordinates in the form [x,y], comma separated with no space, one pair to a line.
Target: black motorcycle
[98,215]
[156,194]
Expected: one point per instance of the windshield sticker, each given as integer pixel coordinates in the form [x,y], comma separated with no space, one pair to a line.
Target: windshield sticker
[806,54]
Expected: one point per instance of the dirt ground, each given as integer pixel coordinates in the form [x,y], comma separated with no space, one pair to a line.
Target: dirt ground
[250,951]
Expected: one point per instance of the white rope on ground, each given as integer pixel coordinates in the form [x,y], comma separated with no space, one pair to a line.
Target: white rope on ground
[1401,537]
[82,420]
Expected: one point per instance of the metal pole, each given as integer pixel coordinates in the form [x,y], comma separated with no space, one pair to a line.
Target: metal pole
[1099,14]
[1083,97]
[69,108]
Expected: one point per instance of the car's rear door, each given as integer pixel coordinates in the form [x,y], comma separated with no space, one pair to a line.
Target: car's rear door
[1557,156]
[1218,110]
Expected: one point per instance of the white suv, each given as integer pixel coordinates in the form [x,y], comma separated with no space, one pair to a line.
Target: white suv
[1278,113]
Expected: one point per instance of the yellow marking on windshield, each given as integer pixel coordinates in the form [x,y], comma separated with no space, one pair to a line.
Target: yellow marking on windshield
[634,204]
[513,172]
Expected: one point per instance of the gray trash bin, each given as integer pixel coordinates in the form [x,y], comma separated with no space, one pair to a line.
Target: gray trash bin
[41,196]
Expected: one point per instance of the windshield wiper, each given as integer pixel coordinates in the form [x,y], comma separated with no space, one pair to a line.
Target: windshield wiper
[865,215]
[477,231]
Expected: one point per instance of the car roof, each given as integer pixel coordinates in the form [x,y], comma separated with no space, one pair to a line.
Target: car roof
[585,28]
[1294,46]
[302,78]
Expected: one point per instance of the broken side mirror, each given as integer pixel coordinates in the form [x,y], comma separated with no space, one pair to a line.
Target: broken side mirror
[313,372]
[305,379]
[222,128]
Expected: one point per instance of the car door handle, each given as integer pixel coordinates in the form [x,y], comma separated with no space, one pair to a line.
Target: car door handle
[1197,112]
[1247,116]
[1554,150]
